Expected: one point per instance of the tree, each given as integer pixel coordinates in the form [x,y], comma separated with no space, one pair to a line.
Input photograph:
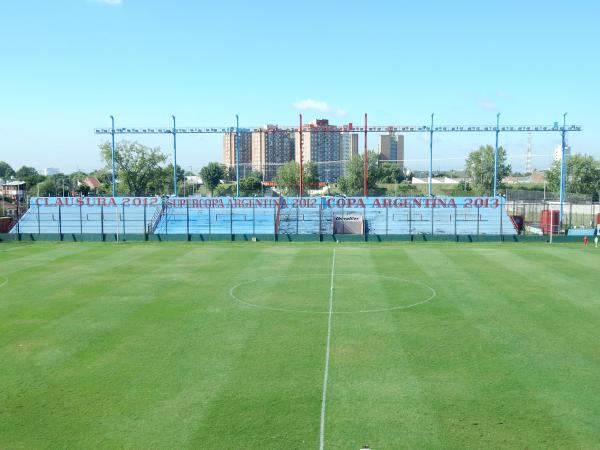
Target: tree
[390,173]
[582,176]
[163,180]
[29,175]
[54,185]
[353,182]
[288,178]
[251,183]
[139,168]
[225,190]
[229,173]
[63,183]
[47,188]
[77,176]
[256,174]
[25,172]
[479,168]
[211,175]
[462,189]
[104,175]
[6,171]
[310,175]
[82,189]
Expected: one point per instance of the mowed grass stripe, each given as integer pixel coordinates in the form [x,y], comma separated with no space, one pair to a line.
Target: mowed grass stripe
[466,363]
[37,255]
[62,348]
[129,343]
[563,345]
[69,283]
[573,255]
[7,247]
[272,397]
[417,423]
[200,341]
[60,272]
[375,397]
[526,347]
[501,340]
[556,291]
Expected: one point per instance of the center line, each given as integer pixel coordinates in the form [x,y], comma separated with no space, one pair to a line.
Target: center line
[326,375]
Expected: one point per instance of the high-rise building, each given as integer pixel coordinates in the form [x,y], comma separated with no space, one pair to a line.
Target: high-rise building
[558,152]
[321,145]
[51,171]
[245,150]
[271,148]
[391,148]
[348,148]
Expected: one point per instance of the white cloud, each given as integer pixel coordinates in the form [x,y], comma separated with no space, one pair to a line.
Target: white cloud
[320,106]
[107,2]
[488,105]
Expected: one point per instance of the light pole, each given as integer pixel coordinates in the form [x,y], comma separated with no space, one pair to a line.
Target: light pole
[237,156]
[365,161]
[563,170]
[174,157]
[496,153]
[301,155]
[112,132]
[431,157]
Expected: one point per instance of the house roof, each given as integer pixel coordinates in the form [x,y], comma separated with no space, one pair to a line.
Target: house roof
[92,182]
[11,183]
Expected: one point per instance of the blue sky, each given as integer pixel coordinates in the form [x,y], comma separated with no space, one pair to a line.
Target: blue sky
[68,64]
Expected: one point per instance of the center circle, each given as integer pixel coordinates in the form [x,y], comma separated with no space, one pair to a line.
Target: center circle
[352,293]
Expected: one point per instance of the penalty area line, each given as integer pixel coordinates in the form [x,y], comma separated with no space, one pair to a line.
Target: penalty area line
[327,350]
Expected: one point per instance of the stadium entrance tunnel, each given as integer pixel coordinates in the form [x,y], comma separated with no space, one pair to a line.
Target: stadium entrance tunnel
[352,293]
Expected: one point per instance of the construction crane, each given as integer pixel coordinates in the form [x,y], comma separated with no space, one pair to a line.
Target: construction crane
[430,129]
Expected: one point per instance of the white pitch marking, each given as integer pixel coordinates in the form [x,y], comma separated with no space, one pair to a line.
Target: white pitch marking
[326,375]
[16,247]
[305,311]
[4,282]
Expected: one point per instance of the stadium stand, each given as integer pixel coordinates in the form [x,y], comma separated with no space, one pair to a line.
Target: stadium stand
[306,220]
[245,218]
[289,215]
[85,219]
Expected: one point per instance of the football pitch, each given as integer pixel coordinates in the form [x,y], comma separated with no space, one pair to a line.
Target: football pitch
[299,346]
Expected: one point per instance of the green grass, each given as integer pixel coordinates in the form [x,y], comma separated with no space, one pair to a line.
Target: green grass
[143,345]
